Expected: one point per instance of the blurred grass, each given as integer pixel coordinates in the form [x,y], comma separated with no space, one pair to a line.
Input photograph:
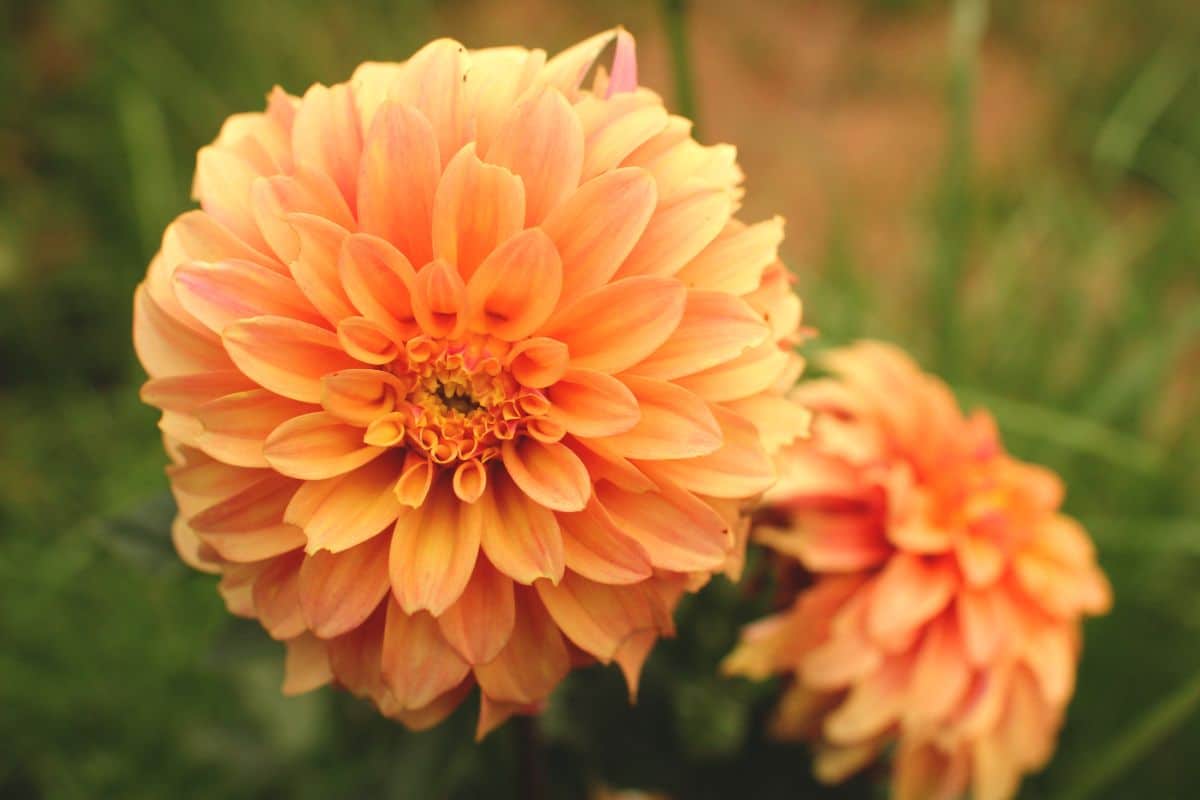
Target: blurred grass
[1065,296]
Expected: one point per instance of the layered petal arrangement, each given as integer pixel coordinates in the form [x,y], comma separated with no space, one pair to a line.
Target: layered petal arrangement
[467,373]
[937,589]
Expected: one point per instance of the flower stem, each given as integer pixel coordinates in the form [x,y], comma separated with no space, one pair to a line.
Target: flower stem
[676,12]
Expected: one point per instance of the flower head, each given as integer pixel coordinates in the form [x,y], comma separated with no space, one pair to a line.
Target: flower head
[466,372]
[941,593]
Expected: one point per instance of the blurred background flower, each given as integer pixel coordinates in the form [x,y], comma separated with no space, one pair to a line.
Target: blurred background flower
[1009,193]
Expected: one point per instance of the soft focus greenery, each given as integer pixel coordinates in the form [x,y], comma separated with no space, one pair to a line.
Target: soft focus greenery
[1065,298]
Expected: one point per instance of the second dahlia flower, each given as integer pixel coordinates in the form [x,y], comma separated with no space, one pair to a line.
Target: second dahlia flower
[466,372]
[941,590]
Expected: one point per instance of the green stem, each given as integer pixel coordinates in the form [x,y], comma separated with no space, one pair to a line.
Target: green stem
[675,12]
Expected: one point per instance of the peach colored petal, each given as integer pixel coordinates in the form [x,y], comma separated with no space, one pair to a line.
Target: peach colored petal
[223,182]
[415,479]
[521,538]
[679,231]
[624,76]
[198,236]
[317,446]
[597,227]
[631,656]
[433,551]
[284,355]
[326,137]
[398,176]
[567,70]
[538,362]
[307,191]
[306,666]
[871,706]
[980,560]
[360,396]
[597,617]
[549,474]
[604,463]
[675,536]
[186,393]
[378,280]
[439,300]
[497,78]
[597,549]
[740,467]
[614,128]
[249,526]
[674,423]
[534,660]
[315,266]
[418,664]
[224,292]
[715,328]
[516,287]
[276,596]
[779,420]
[941,675]
[339,513]
[476,207]
[167,347]
[834,543]
[367,341]
[590,403]
[338,591]
[480,622]
[908,592]
[432,82]
[191,548]
[735,260]
[541,141]
[237,425]
[470,480]
[752,372]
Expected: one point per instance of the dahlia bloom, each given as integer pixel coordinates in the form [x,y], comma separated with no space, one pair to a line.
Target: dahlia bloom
[466,372]
[941,589]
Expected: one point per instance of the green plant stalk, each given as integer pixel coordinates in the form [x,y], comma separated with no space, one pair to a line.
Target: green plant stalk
[675,13]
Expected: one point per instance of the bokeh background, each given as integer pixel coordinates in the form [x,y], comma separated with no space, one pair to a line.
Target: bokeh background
[1013,193]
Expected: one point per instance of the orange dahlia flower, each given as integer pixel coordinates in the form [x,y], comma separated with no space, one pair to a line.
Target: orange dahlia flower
[941,589]
[466,372]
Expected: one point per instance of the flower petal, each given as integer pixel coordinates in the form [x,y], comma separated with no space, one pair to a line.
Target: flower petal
[418,664]
[378,280]
[307,191]
[338,513]
[590,403]
[480,622]
[550,474]
[360,396]
[616,326]
[284,355]
[432,82]
[326,136]
[676,535]
[306,666]
[166,346]
[315,266]
[516,287]
[520,537]
[739,468]
[615,127]
[674,423]
[735,260]
[596,548]
[598,617]
[477,206]
[679,230]
[224,292]
[534,660]
[317,446]
[596,228]
[716,327]
[433,551]
[249,526]
[537,362]
[909,592]
[276,596]
[439,300]
[338,591]
[237,425]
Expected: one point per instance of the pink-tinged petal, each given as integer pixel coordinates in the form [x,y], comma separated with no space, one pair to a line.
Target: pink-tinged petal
[339,513]
[237,425]
[908,593]
[831,543]
[315,266]
[306,665]
[367,341]
[249,525]
[596,548]
[276,596]
[520,537]
[516,287]
[676,535]
[476,207]
[597,617]
[597,227]
[840,661]
[326,137]
[615,127]
[537,362]
[223,182]
[433,551]
[186,393]
[752,372]
[198,236]
[219,294]
[590,403]
[674,423]
[316,446]
[418,664]
[432,82]
[378,280]
[541,141]
[360,396]
[941,675]
[567,70]
[399,175]
[480,622]
[616,326]
[307,191]
[624,76]
[338,591]
[550,474]
[679,230]
[735,260]
[167,347]
[739,468]
[284,355]
[534,660]
[439,300]
[716,327]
